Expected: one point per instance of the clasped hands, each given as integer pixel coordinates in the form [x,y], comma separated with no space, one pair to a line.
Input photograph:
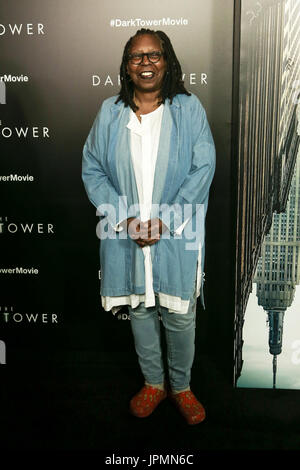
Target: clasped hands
[144,233]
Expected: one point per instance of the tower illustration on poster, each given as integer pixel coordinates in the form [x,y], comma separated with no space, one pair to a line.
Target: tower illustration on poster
[267,320]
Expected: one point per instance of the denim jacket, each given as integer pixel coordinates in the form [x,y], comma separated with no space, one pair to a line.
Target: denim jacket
[184,171]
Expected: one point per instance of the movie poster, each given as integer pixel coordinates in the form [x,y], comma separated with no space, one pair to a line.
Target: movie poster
[267,320]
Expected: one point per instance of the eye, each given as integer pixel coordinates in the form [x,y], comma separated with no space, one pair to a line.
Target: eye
[155,56]
[135,58]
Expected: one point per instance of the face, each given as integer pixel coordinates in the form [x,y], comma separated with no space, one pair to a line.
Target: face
[147,76]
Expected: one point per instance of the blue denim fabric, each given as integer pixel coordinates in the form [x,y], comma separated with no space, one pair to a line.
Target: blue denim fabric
[184,171]
[180,339]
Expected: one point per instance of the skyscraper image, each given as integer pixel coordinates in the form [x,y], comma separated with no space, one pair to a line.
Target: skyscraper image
[278,268]
[268,145]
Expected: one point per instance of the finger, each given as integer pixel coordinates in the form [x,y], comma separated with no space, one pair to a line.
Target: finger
[135,236]
[153,234]
[134,231]
[154,228]
[144,235]
[152,241]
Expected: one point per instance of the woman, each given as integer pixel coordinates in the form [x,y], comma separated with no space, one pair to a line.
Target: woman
[148,163]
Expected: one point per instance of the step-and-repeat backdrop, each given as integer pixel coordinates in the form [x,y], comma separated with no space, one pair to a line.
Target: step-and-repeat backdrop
[59,61]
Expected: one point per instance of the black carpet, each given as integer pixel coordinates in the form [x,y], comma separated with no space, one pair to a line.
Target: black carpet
[79,401]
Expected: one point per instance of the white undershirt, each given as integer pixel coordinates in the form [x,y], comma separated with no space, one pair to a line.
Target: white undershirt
[144,142]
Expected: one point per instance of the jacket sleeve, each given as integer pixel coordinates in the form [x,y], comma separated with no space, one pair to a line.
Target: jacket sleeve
[99,188]
[195,188]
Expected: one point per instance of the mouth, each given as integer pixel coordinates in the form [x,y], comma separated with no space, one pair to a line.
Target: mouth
[147,75]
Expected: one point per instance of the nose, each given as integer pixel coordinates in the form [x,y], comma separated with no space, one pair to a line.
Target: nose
[143,60]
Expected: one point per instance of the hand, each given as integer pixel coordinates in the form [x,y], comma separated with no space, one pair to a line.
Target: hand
[125,223]
[132,226]
[147,233]
[144,233]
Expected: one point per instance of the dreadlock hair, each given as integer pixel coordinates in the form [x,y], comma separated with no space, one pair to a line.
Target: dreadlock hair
[172,82]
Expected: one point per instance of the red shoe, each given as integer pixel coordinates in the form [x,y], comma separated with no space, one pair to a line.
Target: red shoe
[188,405]
[146,400]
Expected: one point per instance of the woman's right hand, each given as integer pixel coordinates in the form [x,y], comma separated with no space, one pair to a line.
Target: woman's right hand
[143,233]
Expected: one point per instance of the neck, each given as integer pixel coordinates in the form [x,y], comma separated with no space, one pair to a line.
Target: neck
[145,98]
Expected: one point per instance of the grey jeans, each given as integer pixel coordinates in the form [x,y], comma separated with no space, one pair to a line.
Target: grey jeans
[180,339]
